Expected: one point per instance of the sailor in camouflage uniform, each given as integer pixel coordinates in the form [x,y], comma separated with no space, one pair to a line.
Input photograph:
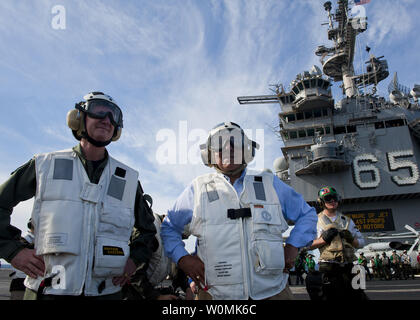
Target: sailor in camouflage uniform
[337,239]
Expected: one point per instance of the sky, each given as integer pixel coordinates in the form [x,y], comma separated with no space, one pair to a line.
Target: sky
[175,68]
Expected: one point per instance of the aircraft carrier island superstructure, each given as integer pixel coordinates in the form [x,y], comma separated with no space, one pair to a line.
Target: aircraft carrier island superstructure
[364,145]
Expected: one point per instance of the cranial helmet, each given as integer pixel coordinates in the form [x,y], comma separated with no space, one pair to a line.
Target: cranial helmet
[326,194]
[228,133]
[97,105]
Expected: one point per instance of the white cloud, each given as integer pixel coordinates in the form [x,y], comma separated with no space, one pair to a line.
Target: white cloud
[390,22]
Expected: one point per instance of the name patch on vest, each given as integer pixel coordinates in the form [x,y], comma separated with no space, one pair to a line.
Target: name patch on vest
[259,191]
[116,188]
[112,251]
[63,169]
[212,192]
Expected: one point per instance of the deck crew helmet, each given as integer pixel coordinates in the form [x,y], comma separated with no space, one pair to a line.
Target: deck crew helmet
[94,105]
[228,133]
[327,194]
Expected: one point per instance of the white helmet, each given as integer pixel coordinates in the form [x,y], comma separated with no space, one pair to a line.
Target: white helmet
[228,132]
[94,105]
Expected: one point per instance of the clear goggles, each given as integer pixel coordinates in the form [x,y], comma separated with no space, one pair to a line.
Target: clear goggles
[99,109]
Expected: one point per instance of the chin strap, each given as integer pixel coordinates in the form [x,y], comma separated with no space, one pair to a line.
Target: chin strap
[231,173]
[96,143]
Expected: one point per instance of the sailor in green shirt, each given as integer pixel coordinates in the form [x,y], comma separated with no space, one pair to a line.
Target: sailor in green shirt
[395,264]
[379,268]
[310,263]
[93,203]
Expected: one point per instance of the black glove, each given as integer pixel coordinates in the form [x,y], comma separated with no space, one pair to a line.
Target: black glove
[329,235]
[345,234]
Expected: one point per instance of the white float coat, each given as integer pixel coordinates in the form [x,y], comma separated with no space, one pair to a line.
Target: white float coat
[243,257]
[82,229]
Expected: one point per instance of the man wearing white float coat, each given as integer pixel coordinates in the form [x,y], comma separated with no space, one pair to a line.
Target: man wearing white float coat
[86,204]
[238,217]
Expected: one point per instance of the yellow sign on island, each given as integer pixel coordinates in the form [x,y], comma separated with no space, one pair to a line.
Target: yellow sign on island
[373,220]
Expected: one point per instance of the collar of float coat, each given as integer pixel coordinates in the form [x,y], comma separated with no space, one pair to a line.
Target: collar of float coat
[94,169]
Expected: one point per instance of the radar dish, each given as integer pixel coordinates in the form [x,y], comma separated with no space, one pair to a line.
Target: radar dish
[280,164]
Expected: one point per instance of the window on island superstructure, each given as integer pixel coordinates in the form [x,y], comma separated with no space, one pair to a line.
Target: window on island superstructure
[310,83]
[379,125]
[299,116]
[340,130]
[311,132]
[345,129]
[317,113]
[289,117]
[351,129]
[303,133]
[286,99]
[305,115]
[320,83]
[300,85]
[394,123]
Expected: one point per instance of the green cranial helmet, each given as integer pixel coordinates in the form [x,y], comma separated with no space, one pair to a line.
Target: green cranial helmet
[328,194]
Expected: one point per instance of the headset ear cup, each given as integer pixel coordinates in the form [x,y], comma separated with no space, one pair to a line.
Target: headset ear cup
[73,119]
[248,150]
[205,156]
[319,202]
[82,127]
[117,135]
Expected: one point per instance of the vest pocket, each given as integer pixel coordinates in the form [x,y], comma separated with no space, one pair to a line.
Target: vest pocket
[268,257]
[59,226]
[268,222]
[110,257]
[116,222]
[223,262]
[111,247]
[267,242]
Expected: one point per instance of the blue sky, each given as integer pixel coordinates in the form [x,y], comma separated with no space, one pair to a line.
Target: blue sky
[170,65]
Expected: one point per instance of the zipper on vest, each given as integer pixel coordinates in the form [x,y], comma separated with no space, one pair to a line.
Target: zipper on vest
[244,244]
[84,247]
[244,258]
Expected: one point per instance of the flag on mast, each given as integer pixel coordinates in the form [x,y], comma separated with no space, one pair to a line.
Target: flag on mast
[361,2]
